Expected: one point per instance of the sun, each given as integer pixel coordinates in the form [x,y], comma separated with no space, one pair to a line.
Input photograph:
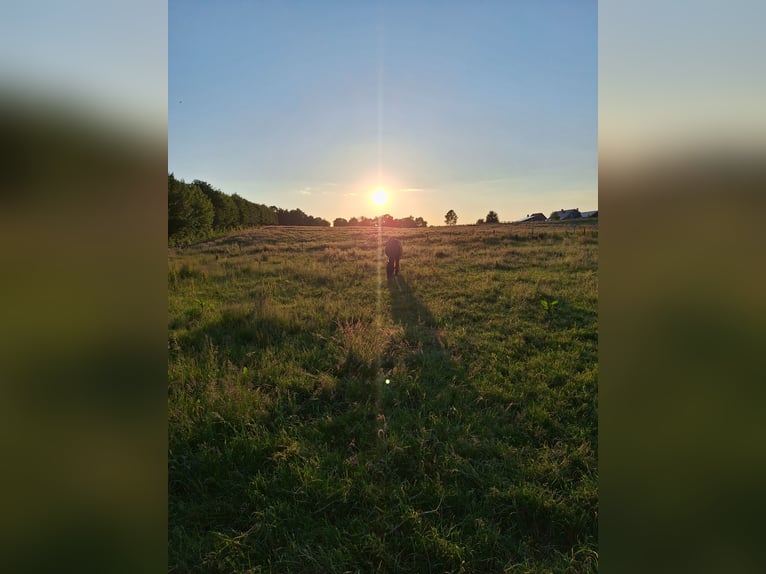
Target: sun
[379,197]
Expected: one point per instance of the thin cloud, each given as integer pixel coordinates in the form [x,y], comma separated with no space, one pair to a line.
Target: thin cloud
[326,188]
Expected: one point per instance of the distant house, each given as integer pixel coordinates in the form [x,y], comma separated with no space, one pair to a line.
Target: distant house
[564,214]
[533,217]
[590,213]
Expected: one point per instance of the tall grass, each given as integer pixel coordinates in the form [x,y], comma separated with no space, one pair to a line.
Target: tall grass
[324,419]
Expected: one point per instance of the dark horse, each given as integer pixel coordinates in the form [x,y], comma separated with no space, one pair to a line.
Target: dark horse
[394,252]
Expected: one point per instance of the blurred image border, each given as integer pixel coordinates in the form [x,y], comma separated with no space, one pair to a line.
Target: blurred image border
[84,233]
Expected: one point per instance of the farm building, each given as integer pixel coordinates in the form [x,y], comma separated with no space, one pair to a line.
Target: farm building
[589,213]
[533,217]
[563,214]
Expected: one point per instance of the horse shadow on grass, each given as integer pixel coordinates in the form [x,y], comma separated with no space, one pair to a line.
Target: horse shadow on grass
[409,311]
[427,358]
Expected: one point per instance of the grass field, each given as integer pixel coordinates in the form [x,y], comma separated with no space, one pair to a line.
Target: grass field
[324,419]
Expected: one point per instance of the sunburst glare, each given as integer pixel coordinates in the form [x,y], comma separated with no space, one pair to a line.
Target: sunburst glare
[379,197]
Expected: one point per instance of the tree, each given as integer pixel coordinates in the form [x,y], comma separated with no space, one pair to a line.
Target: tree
[318,221]
[252,214]
[245,215]
[451,217]
[479,222]
[202,212]
[492,217]
[266,215]
[196,210]
[225,214]
[190,212]
[178,209]
[385,220]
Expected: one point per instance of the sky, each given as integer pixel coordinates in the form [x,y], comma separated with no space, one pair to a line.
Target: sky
[469,106]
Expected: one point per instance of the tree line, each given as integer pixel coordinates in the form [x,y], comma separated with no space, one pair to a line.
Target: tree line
[297,217]
[384,220]
[197,211]
[450,218]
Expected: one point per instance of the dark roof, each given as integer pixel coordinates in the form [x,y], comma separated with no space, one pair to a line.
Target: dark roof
[569,213]
[533,217]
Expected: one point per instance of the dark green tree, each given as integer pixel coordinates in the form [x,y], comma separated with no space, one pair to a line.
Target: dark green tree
[178,209]
[226,214]
[202,212]
[266,215]
[253,214]
[190,212]
[492,217]
[451,217]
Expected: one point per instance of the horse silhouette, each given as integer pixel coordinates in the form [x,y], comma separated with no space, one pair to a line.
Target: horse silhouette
[393,251]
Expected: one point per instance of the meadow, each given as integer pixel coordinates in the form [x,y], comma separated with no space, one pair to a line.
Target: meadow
[322,418]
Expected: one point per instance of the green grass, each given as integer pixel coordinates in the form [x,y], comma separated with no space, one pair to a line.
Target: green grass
[288,452]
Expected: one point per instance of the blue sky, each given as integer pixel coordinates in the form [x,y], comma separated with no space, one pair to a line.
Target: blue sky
[471,106]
